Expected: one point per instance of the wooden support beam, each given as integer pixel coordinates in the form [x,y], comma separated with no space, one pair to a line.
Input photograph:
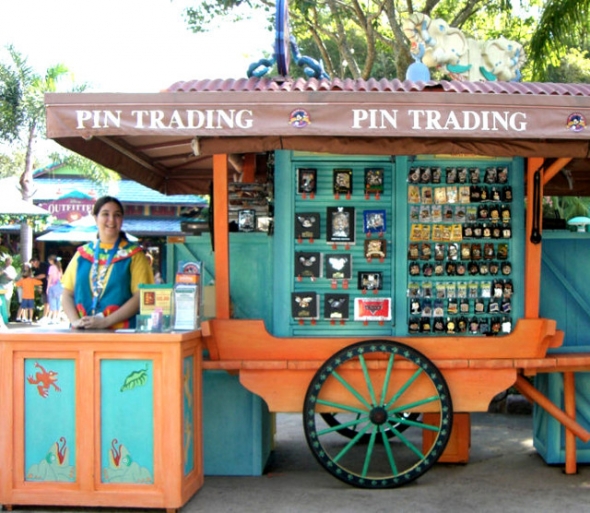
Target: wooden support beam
[555,168]
[569,403]
[532,278]
[221,236]
[533,395]
[249,168]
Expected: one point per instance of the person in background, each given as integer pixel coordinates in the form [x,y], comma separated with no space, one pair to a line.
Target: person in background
[40,270]
[101,283]
[27,304]
[7,277]
[157,276]
[54,288]
[19,292]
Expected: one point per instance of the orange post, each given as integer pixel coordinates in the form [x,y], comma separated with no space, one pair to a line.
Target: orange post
[221,236]
[569,403]
[532,279]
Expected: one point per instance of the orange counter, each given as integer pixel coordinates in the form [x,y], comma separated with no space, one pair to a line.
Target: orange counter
[100,418]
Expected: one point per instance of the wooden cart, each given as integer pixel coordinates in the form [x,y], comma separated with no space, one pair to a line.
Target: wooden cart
[378,412]
[378,409]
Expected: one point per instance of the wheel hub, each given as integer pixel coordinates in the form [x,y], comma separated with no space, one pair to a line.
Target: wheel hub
[378,415]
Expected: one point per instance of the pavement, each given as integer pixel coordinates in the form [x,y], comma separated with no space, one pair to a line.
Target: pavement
[505,474]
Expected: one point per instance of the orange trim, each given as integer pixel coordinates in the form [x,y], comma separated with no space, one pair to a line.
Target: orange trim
[221,232]
[532,276]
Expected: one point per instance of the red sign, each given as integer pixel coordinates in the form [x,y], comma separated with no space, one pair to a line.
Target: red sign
[69,210]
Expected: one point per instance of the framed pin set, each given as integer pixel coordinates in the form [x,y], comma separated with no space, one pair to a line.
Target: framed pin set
[342,230]
[459,250]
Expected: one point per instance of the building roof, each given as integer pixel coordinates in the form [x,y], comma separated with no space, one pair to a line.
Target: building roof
[373,85]
[127,191]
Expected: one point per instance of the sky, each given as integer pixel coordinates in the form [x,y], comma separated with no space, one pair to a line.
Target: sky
[128,45]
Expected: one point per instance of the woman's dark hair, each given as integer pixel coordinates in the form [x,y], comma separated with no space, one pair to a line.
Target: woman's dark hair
[101,202]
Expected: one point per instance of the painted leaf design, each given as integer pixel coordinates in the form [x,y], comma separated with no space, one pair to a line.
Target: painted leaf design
[135,379]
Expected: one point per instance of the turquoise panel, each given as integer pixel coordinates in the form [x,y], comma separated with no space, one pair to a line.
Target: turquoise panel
[250,270]
[237,429]
[548,433]
[127,421]
[188,410]
[565,287]
[50,420]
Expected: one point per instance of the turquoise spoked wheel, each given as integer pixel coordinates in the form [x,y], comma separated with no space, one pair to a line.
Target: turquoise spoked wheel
[333,420]
[374,386]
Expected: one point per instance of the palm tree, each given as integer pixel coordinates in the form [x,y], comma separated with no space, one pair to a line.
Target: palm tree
[564,24]
[25,104]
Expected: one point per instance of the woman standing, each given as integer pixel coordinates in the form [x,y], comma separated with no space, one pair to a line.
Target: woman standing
[54,288]
[101,283]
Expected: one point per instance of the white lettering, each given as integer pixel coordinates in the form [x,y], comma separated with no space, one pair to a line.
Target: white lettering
[416,115]
[244,119]
[377,118]
[99,118]
[138,115]
[468,120]
[210,119]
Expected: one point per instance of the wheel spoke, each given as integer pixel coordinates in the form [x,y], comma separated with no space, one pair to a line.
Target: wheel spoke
[344,425]
[422,402]
[350,388]
[409,422]
[351,444]
[387,377]
[369,454]
[389,453]
[409,444]
[367,379]
[341,406]
[404,387]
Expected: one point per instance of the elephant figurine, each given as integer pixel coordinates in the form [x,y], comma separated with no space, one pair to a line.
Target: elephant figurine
[436,44]
[503,59]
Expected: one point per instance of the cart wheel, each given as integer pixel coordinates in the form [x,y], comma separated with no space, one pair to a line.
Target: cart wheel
[379,382]
[336,419]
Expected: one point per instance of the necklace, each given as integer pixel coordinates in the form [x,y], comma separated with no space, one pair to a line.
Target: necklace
[98,277]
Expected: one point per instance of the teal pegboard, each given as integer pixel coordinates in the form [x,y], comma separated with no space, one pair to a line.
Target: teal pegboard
[290,201]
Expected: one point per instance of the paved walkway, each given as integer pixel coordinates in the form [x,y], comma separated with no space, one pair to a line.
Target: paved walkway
[505,474]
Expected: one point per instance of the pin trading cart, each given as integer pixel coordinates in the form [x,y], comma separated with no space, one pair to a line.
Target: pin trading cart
[379,401]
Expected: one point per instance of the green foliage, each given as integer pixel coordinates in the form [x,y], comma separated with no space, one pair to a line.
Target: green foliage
[38,223]
[564,24]
[574,67]
[95,172]
[204,13]
[365,39]
[11,165]
[565,207]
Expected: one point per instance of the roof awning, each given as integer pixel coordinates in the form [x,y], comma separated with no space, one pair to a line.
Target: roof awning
[165,140]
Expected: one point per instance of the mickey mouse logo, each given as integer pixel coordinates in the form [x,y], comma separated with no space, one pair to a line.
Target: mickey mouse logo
[299,118]
[576,122]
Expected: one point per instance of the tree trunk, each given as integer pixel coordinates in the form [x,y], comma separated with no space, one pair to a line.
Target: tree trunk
[27,190]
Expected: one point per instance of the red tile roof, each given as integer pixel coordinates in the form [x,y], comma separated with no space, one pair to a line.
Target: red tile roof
[374,85]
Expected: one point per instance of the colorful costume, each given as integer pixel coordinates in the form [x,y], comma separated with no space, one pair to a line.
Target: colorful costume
[119,272]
